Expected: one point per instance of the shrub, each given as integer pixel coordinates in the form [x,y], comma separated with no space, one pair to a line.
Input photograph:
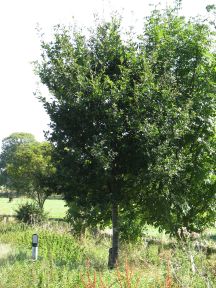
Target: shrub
[30,213]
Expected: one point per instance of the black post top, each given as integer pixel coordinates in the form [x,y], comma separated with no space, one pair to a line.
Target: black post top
[34,240]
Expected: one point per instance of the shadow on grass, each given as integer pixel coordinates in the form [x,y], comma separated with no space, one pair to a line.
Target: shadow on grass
[24,257]
[10,259]
[212,237]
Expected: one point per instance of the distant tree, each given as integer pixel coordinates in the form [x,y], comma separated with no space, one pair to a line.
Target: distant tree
[33,169]
[9,147]
[127,117]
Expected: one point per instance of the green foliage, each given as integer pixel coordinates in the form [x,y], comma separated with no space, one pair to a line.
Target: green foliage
[131,225]
[81,218]
[183,60]
[29,167]
[101,148]
[30,213]
[34,164]
[133,120]
[7,156]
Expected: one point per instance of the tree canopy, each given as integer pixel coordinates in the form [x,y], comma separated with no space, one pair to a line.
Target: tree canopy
[27,167]
[182,58]
[133,120]
[32,166]
[9,147]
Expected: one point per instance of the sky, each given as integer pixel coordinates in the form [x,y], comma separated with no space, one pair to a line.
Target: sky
[20,110]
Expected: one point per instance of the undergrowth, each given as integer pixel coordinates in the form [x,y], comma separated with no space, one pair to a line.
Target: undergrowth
[65,261]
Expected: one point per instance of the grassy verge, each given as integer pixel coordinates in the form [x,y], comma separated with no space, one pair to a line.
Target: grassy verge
[55,208]
[65,261]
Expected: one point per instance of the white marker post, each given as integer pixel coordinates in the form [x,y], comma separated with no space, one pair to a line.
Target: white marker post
[34,247]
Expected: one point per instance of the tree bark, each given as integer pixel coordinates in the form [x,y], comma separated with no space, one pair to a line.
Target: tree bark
[40,199]
[113,252]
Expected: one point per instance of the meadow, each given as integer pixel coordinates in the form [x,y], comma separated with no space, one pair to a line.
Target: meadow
[54,207]
[66,261]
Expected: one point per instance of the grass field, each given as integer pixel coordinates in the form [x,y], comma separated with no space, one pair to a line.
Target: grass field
[67,262]
[55,208]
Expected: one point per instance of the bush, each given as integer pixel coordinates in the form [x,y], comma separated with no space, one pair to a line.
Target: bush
[30,213]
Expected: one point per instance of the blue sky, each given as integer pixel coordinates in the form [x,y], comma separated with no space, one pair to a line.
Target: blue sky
[20,111]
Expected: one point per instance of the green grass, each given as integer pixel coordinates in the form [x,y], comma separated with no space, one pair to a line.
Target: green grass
[55,208]
[67,262]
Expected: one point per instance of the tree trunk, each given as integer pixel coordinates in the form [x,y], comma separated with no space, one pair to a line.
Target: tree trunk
[40,199]
[113,252]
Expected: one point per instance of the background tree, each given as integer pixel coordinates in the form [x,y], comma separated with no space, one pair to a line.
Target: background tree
[125,116]
[9,146]
[33,169]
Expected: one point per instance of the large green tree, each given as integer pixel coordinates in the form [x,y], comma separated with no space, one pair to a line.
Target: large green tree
[182,57]
[126,113]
